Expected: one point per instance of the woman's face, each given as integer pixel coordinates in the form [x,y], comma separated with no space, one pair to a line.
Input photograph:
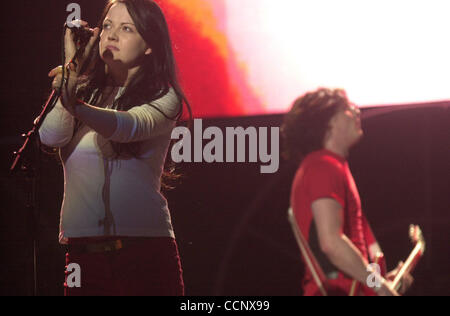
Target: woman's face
[120,42]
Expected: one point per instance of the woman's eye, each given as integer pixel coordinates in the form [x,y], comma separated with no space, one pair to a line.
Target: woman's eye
[106,26]
[127,29]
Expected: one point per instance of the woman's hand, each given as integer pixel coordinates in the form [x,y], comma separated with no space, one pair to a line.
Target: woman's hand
[57,74]
[68,97]
[71,47]
[73,66]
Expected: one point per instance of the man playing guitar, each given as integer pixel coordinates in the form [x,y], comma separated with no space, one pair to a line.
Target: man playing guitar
[319,132]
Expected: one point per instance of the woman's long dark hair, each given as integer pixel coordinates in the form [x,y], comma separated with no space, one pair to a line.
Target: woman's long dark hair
[157,74]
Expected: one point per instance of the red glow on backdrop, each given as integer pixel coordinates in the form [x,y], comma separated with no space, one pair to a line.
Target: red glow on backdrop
[251,57]
[213,80]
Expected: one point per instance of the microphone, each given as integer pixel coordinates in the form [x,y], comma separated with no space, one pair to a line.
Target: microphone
[81,34]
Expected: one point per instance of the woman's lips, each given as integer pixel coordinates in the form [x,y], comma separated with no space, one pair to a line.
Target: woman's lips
[113,48]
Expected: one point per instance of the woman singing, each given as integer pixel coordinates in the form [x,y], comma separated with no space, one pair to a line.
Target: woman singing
[113,123]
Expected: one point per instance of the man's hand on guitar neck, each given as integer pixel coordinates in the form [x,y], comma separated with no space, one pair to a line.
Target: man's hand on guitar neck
[387,287]
[406,281]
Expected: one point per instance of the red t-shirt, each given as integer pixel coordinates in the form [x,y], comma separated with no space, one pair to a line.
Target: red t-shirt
[324,174]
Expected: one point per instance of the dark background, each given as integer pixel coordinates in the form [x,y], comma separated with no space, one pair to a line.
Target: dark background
[230,220]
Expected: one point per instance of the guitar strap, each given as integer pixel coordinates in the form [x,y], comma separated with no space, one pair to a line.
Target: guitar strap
[310,260]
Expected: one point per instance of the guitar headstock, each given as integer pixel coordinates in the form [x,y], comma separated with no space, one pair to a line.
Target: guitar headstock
[416,236]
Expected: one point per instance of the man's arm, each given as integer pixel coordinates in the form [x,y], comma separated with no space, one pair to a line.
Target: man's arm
[328,217]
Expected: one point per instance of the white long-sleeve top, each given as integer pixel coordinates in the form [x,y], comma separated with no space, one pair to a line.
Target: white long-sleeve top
[109,196]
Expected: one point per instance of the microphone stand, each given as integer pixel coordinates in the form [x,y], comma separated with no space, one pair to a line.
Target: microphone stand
[27,163]
[27,160]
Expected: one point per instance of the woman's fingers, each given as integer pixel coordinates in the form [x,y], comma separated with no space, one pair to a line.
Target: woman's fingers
[92,40]
[71,46]
[56,84]
[77,23]
[55,71]
[58,70]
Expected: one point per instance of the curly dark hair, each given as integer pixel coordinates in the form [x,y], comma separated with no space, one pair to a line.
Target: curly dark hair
[306,124]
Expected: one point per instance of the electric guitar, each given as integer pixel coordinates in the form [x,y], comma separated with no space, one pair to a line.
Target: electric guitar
[417,239]
[352,287]
[415,234]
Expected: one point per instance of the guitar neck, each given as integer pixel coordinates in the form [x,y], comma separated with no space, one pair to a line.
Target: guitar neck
[409,265]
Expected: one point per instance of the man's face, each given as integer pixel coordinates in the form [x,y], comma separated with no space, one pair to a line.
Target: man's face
[345,126]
